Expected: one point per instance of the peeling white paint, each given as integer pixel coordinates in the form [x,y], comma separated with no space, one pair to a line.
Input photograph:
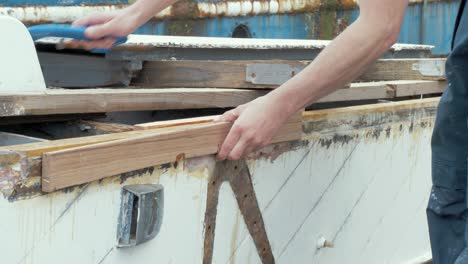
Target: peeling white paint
[430,68]
[365,195]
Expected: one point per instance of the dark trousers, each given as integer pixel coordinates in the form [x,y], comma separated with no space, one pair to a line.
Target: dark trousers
[447,212]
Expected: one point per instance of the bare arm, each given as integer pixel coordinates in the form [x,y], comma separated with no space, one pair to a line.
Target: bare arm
[256,123]
[118,23]
[371,35]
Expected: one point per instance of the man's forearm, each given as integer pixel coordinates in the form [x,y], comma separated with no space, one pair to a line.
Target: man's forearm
[146,9]
[342,61]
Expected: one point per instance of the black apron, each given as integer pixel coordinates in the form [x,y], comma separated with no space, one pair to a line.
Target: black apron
[447,210]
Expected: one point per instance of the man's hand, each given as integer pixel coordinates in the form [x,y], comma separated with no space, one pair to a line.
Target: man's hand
[105,28]
[255,124]
[343,60]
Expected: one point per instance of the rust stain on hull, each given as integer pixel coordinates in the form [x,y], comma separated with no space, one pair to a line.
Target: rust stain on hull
[185,9]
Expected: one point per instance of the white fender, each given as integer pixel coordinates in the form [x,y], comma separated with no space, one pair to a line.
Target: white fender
[20,70]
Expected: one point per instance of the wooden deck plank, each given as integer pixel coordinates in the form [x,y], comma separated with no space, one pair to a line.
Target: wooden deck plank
[177,122]
[79,165]
[235,74]
[62,101]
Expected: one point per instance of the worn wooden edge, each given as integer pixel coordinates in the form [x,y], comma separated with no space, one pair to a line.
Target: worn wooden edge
[110,100]
[177,122]
[321,121]
[107,127]
[369,108]
[247,74]
[74,166]
[36,149]
[385,90]
[117,131]
[66,101]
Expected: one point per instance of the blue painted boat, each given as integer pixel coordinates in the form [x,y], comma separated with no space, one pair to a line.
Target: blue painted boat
[426,21]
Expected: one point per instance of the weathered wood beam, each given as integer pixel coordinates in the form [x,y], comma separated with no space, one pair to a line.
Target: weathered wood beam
[62,101]
[106,128]
[74,166]
[320,121]
[271,74]
[177,122]
[36,149]
[385,90]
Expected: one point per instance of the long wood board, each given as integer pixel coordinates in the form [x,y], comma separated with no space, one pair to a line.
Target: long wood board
[239,74]
[62,101]
[177,122]
[74,166]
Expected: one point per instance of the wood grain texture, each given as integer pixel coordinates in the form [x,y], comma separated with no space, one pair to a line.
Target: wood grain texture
[74,166]
[62,101]
[37,149]
[106,128]
[406,69]
[177,122]
[385,90]
[232,74]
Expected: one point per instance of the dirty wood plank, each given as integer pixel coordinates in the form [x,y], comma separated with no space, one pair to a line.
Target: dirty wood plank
[235,74]
[406,69]
[385,90]
[74,166]
[177,122]
[62,101]
[36,149]
[346,112]
[106,128]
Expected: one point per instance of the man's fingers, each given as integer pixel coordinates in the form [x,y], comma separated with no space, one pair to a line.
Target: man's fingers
[229,143]
[98,31]
[229,116]
[238,151]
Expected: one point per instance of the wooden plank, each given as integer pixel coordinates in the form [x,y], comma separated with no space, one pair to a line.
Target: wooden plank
[385,90]
[154,48]
[74,166]
[233,74]
[406,69]
[408,88]
[36,149]
[362,110]
[62,101]
[106,128]
[177,122]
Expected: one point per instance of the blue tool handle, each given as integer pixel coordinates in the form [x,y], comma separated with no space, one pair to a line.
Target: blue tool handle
[66,31]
